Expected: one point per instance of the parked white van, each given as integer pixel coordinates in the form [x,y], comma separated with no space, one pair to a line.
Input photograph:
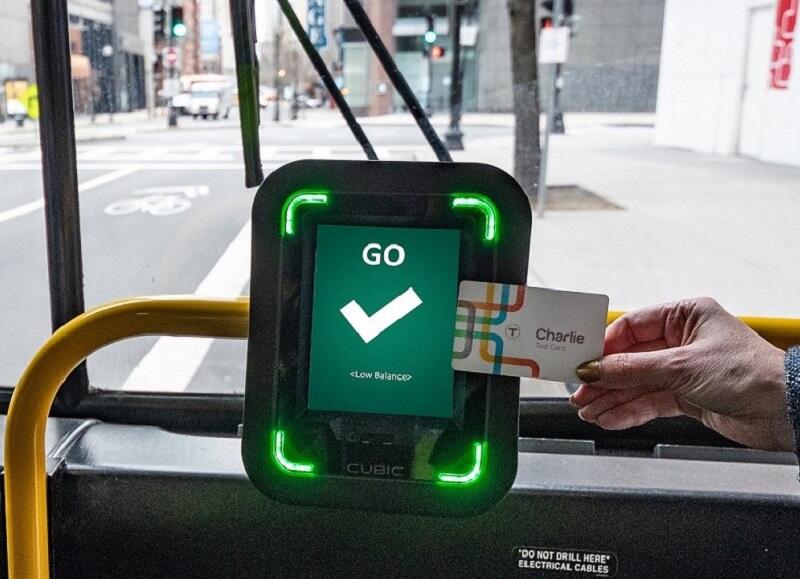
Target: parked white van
[210,99]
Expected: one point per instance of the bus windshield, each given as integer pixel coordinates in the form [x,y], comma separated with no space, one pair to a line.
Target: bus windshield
[661,161]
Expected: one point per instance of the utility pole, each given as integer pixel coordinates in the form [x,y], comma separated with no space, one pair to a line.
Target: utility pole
[453,136]
[541,198]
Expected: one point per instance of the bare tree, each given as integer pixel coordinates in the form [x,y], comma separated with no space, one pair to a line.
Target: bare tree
[525,79]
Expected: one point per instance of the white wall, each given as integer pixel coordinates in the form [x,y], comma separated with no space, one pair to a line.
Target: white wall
[701,83]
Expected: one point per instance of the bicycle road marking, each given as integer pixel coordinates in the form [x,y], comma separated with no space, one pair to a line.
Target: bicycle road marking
[157,201]
[171,364]
[26,208]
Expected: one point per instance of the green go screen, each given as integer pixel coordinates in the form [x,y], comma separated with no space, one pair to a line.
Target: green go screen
[382,322]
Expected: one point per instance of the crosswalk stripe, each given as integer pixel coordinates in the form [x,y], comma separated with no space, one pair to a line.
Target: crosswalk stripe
[200,156]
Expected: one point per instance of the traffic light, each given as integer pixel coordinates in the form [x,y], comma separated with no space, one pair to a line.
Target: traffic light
[569,19]
[159,24]
[567,6]
[178,29]
[437,52]
[430,34]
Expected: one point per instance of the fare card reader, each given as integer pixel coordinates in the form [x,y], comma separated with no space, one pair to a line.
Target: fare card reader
[351,399]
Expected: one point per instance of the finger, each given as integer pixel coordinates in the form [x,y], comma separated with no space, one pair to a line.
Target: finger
[585,394]
[611,399]
[652,323]
[627,370]
[639,411]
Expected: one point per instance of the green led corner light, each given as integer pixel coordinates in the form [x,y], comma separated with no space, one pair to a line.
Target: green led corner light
[485,206]
[293,202]
[291,467]
[473,474]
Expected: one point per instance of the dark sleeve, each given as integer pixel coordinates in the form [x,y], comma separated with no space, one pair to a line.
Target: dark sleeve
[793,392]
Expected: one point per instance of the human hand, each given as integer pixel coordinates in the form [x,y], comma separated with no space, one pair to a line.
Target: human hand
[688,358]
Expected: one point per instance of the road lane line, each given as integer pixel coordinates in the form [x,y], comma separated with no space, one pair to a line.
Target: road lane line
[171,364]
[107,178]
[21,210]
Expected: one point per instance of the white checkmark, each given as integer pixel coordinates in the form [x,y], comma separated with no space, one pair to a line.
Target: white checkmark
[370,327]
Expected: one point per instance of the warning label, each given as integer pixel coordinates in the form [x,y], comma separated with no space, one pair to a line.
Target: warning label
[566,562]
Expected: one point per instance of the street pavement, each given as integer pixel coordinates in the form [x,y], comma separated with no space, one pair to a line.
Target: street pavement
[165,212]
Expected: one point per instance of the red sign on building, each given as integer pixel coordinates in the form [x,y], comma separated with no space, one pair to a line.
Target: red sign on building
[780,67]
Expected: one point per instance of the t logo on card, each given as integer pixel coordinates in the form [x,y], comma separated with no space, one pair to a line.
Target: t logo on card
[513,330]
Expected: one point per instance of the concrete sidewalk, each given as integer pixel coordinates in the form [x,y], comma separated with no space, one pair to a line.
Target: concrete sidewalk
[691,224]
[104,127]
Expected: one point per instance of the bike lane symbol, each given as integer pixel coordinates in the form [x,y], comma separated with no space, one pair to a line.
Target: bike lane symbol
[157,201]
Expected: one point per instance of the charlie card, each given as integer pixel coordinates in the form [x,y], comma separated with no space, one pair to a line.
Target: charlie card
[530,332]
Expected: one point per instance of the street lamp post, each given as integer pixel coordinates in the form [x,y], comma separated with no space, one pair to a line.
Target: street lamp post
[278,72]
[453,136]
[172,112]
[107,52]
[430,40]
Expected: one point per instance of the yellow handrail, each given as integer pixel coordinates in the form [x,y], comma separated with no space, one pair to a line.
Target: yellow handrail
[24,472]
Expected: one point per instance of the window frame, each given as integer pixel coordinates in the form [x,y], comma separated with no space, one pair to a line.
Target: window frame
[208,413]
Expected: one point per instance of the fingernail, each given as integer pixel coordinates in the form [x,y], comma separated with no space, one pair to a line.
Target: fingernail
[589,371]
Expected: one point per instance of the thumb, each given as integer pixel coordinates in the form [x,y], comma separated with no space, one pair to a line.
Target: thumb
[629,369]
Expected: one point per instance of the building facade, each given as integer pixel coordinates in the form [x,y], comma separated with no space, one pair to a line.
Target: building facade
[613,57]
[613,60]
[736,91]
[108,53]
[108,56]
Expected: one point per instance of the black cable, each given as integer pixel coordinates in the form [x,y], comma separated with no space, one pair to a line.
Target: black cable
[398,81]
[327,79]
[243,24]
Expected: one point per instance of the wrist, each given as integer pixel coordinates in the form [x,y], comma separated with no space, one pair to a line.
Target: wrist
[792,387]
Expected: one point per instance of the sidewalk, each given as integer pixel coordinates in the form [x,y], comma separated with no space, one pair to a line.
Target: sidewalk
[691,224]
[330,118]
[104,127]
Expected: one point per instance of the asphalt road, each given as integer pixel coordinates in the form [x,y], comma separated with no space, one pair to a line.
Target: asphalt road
[162,212]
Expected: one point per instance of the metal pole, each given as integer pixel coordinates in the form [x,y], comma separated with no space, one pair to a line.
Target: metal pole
[276,70]
[59,172]
[558,116]
[541,190]
[146,31]
[172,112]
[453,136]
[429,88]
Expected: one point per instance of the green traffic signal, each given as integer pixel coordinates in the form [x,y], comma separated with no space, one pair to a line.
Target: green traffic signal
[430,36]
[179,29]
